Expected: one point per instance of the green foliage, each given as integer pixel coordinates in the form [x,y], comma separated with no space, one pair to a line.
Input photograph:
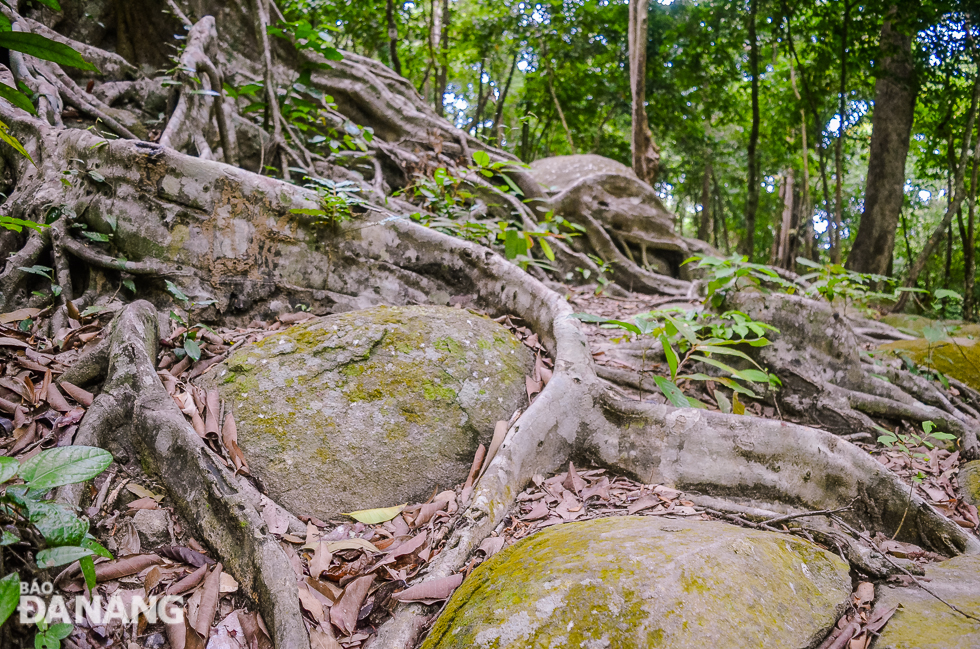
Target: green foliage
[25,508]
[305,37]
[690,337]
[604,267]
[337,200]
[731,274]
[907,443]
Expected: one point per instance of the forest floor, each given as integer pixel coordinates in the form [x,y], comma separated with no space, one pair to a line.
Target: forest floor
[353,574]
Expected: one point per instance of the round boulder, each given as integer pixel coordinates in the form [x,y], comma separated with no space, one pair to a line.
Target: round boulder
[371,408]
[637,582]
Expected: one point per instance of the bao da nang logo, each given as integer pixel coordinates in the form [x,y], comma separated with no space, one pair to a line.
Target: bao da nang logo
[37,602]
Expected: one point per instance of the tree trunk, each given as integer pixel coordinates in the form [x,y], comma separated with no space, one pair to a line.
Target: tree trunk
[835,253]
[958,190]
[499,112]
[435,46]
[442,57]
[968,236]
[646,154]
[747,246]
[787,230]
[707,221]
[396,64]
[894,108]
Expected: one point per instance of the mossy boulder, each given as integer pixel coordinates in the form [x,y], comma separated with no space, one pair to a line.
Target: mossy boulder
[371,408]
[968,480]
[957,356]
[922,621]
[640,582]
[915,325]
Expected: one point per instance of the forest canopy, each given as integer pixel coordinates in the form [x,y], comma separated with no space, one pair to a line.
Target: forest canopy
[551,77]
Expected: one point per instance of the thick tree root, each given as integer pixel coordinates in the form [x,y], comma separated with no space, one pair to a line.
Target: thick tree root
[134,411]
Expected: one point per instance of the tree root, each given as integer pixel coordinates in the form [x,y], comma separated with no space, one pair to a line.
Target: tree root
[134,410]
[192,116]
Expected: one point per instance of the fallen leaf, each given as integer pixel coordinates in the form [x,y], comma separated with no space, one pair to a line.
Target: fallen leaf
[142,492]
[431,591]
[227,584]
[409,547]
[310,603]
[321,640]
[492,545]
[574,482]
[18,315]
[229,437]
[273,517]
[376,516]
[189,582]
[499,433]
[185,555]
[343,614]
[125,566]
[209,601]
[143,503]
[351,544]
[320,562]
[84,397]
[56,400]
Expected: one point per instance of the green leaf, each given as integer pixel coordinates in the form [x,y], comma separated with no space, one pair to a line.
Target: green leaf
[944,293]
[17,98]
[54,557]
[95,236]
[58,524]
[8,468]
[511,237]
[44,48]
[376,516]
[89,543]
[672,392]
[88,571]
[546,247]
[723,403]
[193,349]
[671,356]
[12,141]
[176,292]
[129,285]
[8,538]
[56,467]
[738,407]
[9,595]
[61,630]
[481,158]
[51,4]
[928,426]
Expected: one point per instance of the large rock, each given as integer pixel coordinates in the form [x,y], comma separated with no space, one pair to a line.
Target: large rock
[558,172]
[957,356]
[923,622]
[639,582]
[371,408]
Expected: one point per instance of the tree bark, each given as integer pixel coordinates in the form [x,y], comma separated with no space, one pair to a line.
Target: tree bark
[396,64]
[968,236]
[646,154]
[747,246]
[958,190]
[835,254]
[707,222]
[787,230]
[894,108]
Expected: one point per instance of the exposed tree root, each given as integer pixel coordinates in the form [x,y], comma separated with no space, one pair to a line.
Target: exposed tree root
[234,246]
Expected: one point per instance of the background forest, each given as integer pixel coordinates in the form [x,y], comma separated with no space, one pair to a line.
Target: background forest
[551,77]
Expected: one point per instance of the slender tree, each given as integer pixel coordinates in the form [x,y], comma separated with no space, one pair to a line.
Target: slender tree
[894,108]
[835,232]
[646,155]
[752,200]
[396,64]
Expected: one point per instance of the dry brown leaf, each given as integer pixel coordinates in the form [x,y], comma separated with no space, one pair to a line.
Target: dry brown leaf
[499,433]
[343,614]
[431,591]
[538,511]
[144,503]
[229,437]
[212,413]
[320,562]
[643,502]
[351,544]
[492,545]
[574,482]
[533,387]
[227,584]
[321,640]
[152,579]
[189,582]
[209,601]
[864,593]
[125,566]
[312,537]
[56,400]
[325,588]
[256,635]
[310,603]
[276,520]
[84,397]
[409,547]
[142,492]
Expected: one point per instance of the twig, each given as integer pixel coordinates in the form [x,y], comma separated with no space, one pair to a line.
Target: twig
[918,583]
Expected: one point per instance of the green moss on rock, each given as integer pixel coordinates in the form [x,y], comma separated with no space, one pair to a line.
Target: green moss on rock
[958,356]
[923,622]
[371,408]
[641,582]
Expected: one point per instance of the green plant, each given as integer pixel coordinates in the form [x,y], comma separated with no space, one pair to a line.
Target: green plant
[726,275]
[603,267]
[336,200]
[56,534]
[691,337]
[906,445]
[833,282]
